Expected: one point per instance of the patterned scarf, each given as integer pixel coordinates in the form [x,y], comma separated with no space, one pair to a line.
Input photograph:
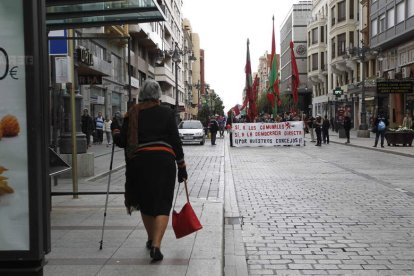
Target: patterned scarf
[132,135]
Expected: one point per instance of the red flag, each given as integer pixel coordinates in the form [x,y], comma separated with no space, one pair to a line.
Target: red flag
[273,89]
[236,110]
[295,75]
[253,98]
[248,71]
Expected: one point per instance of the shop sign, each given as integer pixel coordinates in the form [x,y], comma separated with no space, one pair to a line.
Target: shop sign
[395,86]
[14,176]
[338,92]
[84,80]
[58,46]
[134,82]
[85,56]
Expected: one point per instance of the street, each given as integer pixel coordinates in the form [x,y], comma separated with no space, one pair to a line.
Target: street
[330,210]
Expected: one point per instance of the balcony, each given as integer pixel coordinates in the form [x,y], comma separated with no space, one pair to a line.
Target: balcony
[317,21]
[164,74]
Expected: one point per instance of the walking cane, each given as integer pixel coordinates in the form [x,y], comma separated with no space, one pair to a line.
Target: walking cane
[107,194]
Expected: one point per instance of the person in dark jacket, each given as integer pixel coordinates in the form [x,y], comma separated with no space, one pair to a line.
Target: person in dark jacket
[229,125]
[325,130]
[317,124]
[87,126]
[380,125]
[347,128]
[153,147]
[214,127]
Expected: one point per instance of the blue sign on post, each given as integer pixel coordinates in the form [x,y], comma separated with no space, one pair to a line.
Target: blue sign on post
[58,46]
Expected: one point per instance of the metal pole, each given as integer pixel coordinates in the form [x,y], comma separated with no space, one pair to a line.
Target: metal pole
[129,71]
[363,125]
[107,195]
[177,114]
[73,117]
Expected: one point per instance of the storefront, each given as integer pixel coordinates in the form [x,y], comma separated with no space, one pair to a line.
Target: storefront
[393,98]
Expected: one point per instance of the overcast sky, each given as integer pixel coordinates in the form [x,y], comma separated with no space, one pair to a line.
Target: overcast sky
[223,27]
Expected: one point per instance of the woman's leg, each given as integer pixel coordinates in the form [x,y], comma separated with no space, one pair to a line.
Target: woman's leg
[160,224]
[149,225]
[155,227]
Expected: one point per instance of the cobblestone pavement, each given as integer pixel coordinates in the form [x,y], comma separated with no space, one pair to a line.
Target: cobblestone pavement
[334,210]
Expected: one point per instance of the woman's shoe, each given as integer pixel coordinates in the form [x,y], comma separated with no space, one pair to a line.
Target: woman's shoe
[148,244]
[156,254]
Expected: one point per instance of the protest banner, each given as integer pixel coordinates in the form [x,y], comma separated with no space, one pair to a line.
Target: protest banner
[268,134]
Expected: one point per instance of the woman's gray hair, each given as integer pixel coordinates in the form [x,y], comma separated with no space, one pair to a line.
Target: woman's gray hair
[150,90]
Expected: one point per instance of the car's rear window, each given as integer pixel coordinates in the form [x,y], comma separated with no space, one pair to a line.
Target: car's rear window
[190,125]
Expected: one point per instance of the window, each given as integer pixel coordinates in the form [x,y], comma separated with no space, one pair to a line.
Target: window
[410,8]
[382,23]
[341,44]
[314,61]
[116,68]
[333,47]
[322,34]
[314,35]
[390,18]
[341,11]
[333,16]
[351,9]
[374,27]
[323,61]
[401,12]
[309,38]
[351,39]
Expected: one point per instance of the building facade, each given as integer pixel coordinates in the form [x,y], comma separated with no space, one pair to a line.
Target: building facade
[392,30]
[339,60]
[102,65]
[294,28]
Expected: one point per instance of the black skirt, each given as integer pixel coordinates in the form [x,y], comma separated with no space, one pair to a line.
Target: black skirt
[150,181]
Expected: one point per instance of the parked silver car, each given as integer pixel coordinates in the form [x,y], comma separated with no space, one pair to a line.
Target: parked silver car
[191,132]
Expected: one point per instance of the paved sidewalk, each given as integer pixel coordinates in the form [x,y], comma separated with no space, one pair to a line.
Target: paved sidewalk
[366,143]
[77,225]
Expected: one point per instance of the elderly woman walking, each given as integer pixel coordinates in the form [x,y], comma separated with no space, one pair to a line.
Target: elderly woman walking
[153,147]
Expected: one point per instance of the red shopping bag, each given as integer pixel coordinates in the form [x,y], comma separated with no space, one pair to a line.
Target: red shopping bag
[185,222]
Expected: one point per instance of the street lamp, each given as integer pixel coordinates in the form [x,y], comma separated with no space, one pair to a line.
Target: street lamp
[361,54]
[176,58]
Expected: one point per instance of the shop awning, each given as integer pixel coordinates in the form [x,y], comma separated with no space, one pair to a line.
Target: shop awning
[69,14]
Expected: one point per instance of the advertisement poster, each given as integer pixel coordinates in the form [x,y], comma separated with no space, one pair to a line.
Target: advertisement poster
[268,134]
[14,194]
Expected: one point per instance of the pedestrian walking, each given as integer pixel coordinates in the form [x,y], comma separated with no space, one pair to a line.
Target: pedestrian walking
[222,124]
[229,124]
[347,128]
[99,125]
[87,126]
[153,147]
[318,129]
[107,131]
[380,125]
[117,121]
[407,121]
[310,122]
[214,127]
[325,130]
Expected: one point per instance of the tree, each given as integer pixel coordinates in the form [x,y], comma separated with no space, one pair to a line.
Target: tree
[211,104]
[263,105]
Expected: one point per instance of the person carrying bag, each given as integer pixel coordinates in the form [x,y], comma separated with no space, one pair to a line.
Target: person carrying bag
[185,222]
